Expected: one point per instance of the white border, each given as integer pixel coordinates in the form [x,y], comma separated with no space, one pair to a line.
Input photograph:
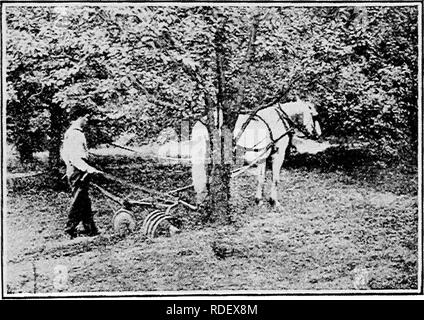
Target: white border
[420,151]
[3,151]
[229,294]
[222,4]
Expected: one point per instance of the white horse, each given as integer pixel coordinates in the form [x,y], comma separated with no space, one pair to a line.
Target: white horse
[267,134]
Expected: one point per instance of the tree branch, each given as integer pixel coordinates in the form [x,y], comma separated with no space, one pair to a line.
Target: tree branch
[150,97]
[37,93]
[248,58]
[220,75]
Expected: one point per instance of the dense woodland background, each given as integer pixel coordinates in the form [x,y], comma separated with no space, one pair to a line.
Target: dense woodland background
[143,69]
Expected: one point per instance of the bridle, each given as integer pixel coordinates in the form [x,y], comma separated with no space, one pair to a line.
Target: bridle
[296,126]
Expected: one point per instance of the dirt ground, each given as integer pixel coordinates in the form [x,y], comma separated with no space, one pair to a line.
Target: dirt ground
[343,225]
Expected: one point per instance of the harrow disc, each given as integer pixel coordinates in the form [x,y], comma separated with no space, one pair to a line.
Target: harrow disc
[123,222]
[152,221]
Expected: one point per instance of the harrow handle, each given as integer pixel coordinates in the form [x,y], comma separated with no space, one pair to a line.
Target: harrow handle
[143,203]
[108,194]
[188,205]
[135,186]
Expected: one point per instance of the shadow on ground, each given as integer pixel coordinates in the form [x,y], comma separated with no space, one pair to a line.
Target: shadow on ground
[362,166]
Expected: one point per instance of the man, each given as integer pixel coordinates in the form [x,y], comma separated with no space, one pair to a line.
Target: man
[75,154]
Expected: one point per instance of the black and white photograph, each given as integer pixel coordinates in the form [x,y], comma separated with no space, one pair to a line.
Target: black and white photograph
[211,149]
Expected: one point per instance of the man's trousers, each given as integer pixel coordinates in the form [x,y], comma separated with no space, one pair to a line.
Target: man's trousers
[80,208]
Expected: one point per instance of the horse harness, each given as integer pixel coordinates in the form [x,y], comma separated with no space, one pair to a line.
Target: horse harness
[285,119]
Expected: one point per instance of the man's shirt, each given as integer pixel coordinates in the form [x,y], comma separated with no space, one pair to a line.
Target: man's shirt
[74,150]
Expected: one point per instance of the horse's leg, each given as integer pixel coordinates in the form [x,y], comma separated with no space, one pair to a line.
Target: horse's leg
[260,175]
[277,163]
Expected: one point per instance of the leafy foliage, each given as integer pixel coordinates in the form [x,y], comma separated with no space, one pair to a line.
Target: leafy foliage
[147,68]
[368,83]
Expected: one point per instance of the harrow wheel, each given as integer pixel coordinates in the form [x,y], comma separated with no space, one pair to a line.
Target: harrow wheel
[123,222]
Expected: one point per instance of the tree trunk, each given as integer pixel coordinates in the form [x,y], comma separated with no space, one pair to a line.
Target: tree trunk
[218,209]
[24,144]
[56,132]
[25,149]
[218,170]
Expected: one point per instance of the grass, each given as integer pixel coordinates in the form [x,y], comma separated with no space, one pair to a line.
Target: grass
[343,214]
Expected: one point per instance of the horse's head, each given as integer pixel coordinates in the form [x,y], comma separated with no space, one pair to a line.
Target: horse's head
[310,121]
[304,117]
